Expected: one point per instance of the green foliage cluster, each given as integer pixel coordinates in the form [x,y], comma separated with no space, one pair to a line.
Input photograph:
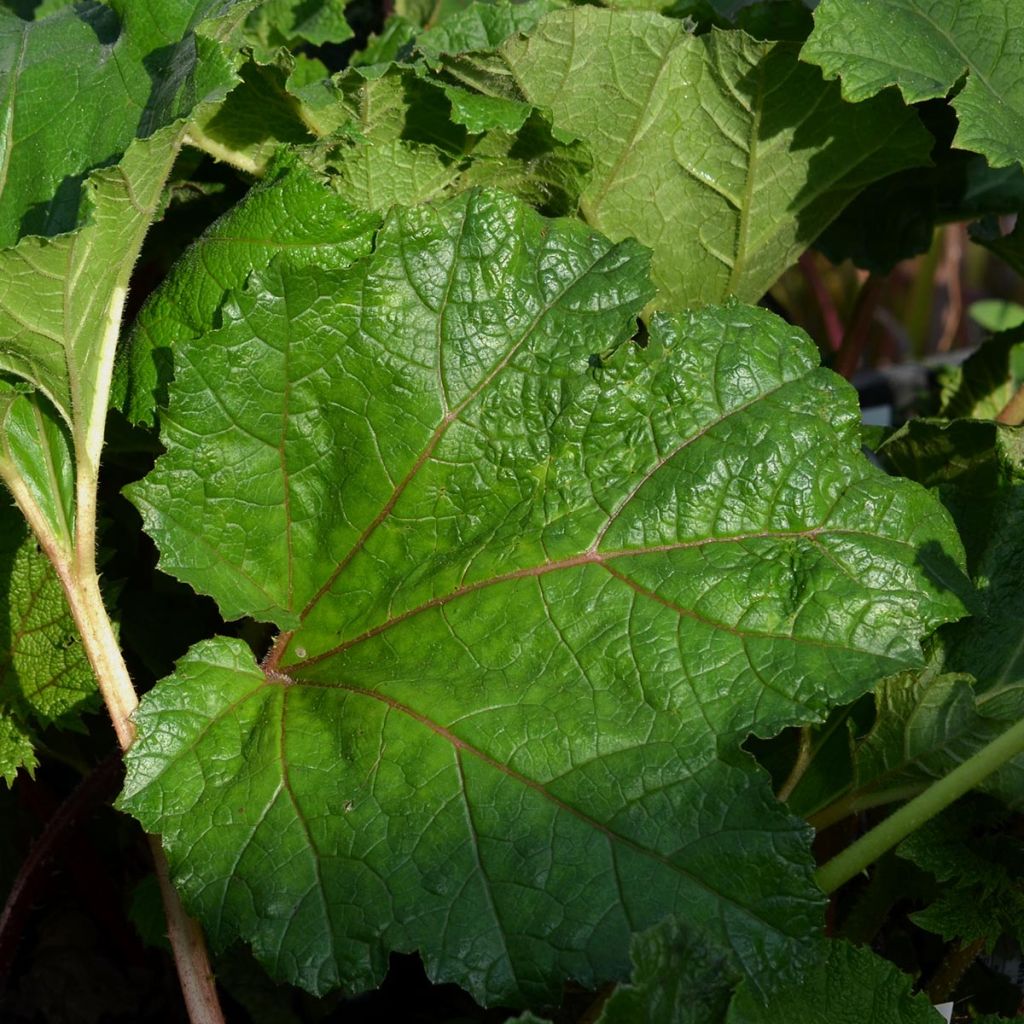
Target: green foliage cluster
[524,522]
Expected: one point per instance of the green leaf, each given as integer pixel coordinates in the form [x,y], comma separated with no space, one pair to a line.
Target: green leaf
[36,449]
[924,48]
[293,210]
[973,687]
[16,750]
[483,26]
[399,143]
[725,155]
[526,598]
[61,298]
[997,315]
[289,23]
[676,979]
[983,384]
[260,115]
[137,67]
[895,219]
[45,678]
[853,985]
[972,851]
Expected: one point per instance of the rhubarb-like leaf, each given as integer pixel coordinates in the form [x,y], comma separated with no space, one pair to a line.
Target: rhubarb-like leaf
[539,583]
[78,86]
[45,678]
[61,298]
[924,48]
[293,210]
[725,155]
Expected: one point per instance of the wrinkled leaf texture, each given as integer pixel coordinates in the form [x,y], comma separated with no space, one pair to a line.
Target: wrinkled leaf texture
[531,609]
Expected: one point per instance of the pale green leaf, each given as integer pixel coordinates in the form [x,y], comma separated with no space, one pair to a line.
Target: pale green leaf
[534,608]
[288,23]
[35,448]
[924,48]
[725,155]
[61,298]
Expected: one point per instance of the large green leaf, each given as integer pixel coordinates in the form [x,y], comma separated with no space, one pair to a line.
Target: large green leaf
[725,155]
[45,678]
[77,87]
[534,606]
[924,47]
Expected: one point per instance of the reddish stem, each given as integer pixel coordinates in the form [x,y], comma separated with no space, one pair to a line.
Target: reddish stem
[856,338]
[823,297]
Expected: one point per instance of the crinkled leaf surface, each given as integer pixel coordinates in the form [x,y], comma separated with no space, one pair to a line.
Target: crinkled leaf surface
[78,86]
[924,47]
[293,211]
[45,678]
[399,140]
[531,613]
[725,155]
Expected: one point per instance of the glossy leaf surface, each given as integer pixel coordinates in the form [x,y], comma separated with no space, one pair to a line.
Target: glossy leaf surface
[533,608]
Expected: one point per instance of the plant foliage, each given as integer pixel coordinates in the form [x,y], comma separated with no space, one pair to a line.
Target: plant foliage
[527,528]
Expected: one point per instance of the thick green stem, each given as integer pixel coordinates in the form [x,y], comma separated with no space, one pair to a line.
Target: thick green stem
[912,815]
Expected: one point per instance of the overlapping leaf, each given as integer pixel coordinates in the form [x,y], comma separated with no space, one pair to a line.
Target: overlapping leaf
[930,721]
[531,613]
[924,48]
[725,155]
[76,88]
